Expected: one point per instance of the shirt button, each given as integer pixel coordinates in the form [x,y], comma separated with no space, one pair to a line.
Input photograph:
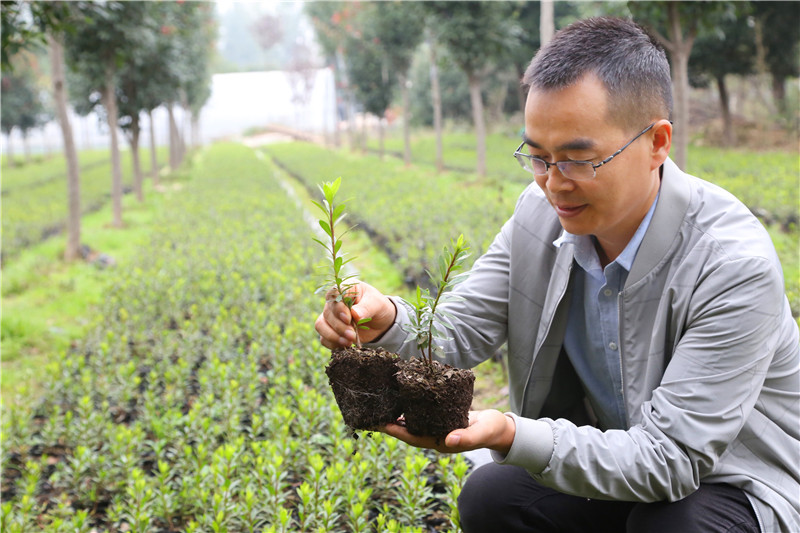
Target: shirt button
[612,345]
[607,292]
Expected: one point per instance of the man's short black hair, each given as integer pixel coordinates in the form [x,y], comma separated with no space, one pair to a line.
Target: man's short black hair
[624,57]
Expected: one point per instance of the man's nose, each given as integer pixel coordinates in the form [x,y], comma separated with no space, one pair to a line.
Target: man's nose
[555,181]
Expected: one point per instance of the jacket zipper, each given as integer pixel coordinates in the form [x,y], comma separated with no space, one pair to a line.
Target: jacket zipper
[540,341]
[619,351]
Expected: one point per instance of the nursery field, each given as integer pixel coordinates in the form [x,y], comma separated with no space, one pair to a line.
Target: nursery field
[195,397]
[34,195]
[207,408]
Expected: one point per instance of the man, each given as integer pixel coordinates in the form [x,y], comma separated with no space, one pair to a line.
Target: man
[654,364]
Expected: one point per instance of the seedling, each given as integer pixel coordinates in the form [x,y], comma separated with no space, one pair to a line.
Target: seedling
[337,279]
[426,324]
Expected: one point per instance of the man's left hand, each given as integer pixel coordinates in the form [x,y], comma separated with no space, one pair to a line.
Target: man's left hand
[487,429]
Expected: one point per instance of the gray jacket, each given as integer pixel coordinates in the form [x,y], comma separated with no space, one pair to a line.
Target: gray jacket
[710,355]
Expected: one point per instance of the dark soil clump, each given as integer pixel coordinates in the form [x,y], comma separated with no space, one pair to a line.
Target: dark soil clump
[436,399]
[364,385]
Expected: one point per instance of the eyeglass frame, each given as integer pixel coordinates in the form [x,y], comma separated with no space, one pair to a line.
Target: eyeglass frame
[595,166]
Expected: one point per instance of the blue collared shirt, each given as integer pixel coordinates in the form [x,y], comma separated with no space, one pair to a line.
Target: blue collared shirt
[592,335]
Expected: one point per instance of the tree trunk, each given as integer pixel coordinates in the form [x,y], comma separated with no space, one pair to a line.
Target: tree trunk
[436,96]
[480,127]
[363,136]
[174,140]
[380,137]
[547,26]
[26,146]
[153,155]
[10,149]
[779,94]
[725,107]
[186,127]
[679,47]
[110,103]
[337,134]
[72,250]
[406,118]
[347,100]
[522,94]
[137,167]
[351,121]
[761,67]
[195,130]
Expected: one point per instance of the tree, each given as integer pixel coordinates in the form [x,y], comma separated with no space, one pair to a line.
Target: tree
[547,25]
[23,106]
[477,36]
[729,48]
[72,250]
[197,31]
[682,22]
[106,37]
[436,97]
[528,17]
[25,25]
[333,22]
[399,29]
[367,68]
[777,24]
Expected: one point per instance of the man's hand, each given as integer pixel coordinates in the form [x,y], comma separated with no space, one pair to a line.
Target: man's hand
[334,324]
[487,429]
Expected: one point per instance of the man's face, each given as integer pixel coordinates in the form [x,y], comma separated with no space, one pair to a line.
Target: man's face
[573,124]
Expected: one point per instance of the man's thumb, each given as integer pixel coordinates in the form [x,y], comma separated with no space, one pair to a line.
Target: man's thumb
[358,312]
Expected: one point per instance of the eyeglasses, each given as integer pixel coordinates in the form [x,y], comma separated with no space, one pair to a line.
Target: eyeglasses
[572,170]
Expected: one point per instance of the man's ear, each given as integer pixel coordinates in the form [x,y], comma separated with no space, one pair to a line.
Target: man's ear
[662,142]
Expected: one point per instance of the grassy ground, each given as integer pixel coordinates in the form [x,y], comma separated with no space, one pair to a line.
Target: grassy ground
[46,302]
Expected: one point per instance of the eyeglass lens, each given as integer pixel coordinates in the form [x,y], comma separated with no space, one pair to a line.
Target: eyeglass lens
[569,169]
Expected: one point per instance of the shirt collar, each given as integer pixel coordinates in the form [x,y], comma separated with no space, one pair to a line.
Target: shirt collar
[586,255]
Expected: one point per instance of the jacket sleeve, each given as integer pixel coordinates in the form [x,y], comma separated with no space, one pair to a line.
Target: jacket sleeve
[708,391]
[480,318]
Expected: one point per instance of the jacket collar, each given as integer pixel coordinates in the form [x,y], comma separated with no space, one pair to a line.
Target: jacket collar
[670,211]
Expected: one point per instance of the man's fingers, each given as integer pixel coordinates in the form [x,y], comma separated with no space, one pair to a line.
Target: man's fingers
[330,337]
[338,319]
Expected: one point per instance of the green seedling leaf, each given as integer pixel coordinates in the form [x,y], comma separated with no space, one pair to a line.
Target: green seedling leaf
[326,227]
[337,212]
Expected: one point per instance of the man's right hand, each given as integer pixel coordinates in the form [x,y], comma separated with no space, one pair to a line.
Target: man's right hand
[335,324]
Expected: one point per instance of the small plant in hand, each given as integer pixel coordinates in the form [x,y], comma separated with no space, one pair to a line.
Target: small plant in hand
[436,398]
[362,379]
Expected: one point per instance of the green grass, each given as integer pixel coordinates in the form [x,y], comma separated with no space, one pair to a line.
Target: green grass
[46,302]
[51,167]
[34,196]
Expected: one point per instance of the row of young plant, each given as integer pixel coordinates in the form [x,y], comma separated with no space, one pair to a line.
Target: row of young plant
[21,175]
[414,209]
[408,211]
[199,401]
[35,197]
[459,153]
[766,181]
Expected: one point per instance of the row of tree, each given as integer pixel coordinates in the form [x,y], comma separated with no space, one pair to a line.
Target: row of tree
[370,46]
[121,59]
